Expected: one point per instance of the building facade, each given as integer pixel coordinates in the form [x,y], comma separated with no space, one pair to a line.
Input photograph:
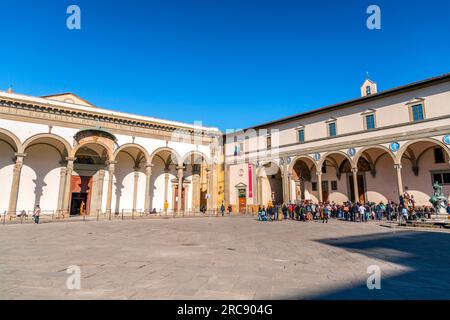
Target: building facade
[369,149]
[68,156]
[71,157]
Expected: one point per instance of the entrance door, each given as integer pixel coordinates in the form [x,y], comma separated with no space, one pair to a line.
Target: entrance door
[361,189]
[242,200]
[80,194]
[325,191]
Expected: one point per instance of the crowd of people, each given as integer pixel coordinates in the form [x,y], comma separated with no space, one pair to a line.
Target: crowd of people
[307,210]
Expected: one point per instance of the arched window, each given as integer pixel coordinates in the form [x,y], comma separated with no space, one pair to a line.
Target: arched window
[368,90]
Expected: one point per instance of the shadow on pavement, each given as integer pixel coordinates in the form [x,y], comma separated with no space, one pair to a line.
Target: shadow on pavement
[425,254]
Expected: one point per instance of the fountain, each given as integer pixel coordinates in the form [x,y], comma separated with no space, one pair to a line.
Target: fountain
[438,200]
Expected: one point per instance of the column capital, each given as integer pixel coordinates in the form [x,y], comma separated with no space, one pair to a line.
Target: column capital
[397,166]
[149,165]
[71,159]
[354,170]
[110,162]
[20,155]
[180,168]
[319,173]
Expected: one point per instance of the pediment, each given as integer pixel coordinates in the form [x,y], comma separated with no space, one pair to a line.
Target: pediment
[69,98]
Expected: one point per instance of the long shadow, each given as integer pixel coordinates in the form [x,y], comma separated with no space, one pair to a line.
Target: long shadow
[426,255]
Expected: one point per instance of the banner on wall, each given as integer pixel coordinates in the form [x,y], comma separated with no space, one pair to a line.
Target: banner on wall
[250,181]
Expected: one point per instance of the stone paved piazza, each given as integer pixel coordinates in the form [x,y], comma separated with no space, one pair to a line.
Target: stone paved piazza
[221,258]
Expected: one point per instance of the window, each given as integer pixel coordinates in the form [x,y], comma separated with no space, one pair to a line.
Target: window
[332,129]
[417,112]
[301,135]
[269,142]
[370,122]
[441,177]
[325,186]
[439,155]
[368,91]
[314,186]
[334,185]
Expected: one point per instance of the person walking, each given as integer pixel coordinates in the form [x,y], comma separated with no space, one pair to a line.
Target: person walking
[36,214]
[222,209]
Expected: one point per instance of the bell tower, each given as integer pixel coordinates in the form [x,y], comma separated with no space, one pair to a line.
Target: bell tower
[368,87]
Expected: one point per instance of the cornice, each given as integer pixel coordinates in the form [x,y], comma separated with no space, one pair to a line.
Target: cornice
[81,117]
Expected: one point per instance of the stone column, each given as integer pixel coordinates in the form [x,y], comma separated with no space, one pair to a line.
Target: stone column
[288,187]
[355,184]
[398,169]
[148,174]
[62,183]
[319,185]
[135,187]
[13,196]
[259,190]
[100,183]
[111,167]
[186,198]
[166,186]
[67,189]
[180,187]
[208,187]
[196,189]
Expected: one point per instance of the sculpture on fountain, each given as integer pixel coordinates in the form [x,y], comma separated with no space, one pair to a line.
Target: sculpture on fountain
[438,200]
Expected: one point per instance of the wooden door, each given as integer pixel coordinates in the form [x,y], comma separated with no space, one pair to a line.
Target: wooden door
[242,200]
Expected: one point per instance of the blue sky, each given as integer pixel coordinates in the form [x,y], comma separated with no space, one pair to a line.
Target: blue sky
[229,63]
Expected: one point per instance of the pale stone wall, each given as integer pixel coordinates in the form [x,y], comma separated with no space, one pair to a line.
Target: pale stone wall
[6,172]
[39,183]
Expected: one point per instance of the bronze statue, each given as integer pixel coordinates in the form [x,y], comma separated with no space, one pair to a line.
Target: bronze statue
[438,200]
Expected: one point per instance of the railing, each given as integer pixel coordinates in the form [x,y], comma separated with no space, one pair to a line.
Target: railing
[46,216]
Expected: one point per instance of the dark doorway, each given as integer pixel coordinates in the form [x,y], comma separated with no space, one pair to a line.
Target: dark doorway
[78,199]
[325,191]
[80,194]
[361,189]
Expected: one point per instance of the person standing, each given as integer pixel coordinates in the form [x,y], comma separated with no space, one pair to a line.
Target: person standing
[222,209]
[362,213]
[284,209]
[37,214]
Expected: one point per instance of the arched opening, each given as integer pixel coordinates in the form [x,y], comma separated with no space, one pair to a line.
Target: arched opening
[42,174]
[89,181]
[195,183]
[129,179]
[270,185]
[9,145]
[164,179]
[423,163]
[376,165]
[336,187]
[303,184]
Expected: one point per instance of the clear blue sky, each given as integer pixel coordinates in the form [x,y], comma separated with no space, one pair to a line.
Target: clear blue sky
[229,63]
